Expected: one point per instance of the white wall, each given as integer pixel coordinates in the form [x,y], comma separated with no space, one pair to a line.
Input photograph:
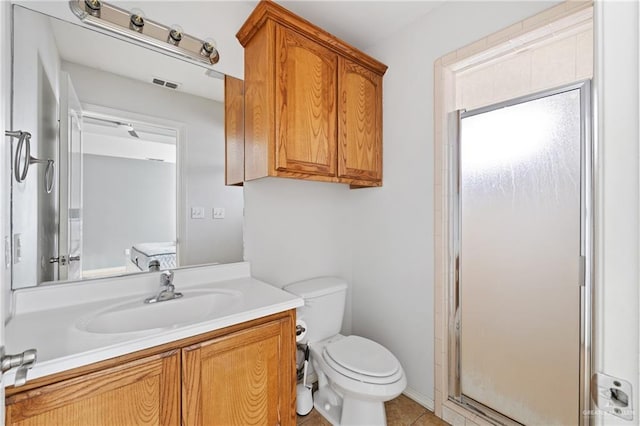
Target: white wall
[618,194]
[296,230]
[206,240]
[135,204]
[393,226]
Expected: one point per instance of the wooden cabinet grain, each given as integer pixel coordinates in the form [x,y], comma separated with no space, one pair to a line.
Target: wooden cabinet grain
[240,375]
[240,379]
[313,104]
[305,121]
[141,392]
[360,122]
[234,131]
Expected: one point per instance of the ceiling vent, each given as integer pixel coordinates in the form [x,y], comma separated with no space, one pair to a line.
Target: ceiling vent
[161,82]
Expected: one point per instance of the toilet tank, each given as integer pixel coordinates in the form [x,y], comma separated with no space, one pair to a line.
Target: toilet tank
[324,300]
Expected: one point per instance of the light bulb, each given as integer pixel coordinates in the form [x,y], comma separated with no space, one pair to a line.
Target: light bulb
[136,22]
[93,7]
[175,34]
[209,50]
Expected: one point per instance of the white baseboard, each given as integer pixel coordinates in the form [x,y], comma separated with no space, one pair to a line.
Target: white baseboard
[421,399]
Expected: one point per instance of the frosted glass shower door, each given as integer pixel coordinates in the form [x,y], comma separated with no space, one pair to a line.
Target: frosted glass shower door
[520,247]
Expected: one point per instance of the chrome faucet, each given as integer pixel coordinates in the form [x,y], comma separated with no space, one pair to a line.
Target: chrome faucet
[167,290]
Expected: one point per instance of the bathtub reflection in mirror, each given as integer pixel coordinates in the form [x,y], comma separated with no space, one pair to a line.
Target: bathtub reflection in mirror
[137,140]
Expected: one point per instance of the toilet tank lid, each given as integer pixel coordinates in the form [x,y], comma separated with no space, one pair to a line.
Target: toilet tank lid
[316,287]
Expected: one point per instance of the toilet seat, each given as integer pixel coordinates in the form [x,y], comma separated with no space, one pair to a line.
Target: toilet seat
[363,360]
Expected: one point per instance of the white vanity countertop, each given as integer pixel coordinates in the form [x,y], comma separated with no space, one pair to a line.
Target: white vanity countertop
[45,318]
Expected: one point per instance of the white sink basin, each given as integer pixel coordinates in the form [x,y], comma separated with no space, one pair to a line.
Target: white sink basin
[135,315]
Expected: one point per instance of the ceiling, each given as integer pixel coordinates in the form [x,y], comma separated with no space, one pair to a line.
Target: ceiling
[361,23]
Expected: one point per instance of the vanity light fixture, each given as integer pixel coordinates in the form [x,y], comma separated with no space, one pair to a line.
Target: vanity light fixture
[136,26]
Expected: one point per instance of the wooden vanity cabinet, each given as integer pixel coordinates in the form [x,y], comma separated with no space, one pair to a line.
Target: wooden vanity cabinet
[313,104]
[237,379]
[239,375]
[141,392]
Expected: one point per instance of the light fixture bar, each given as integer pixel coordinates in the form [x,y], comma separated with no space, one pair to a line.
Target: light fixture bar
[119,21]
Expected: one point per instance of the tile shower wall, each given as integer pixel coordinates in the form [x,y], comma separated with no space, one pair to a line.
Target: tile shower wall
[564,60]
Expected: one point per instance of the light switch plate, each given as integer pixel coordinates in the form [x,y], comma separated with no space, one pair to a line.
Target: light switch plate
[197,212]
[218,213]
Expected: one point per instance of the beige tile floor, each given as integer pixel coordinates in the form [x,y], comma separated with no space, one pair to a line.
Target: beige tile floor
[401,411]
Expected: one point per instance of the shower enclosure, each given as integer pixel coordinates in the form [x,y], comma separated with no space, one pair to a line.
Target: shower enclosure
[519,333]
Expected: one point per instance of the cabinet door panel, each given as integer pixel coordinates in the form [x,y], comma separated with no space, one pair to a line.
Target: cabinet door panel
[234,130]
[305,105]
[360,122]
[241,379]
[143,392]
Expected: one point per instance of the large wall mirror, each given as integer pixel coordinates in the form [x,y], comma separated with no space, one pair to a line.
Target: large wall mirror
[136,140]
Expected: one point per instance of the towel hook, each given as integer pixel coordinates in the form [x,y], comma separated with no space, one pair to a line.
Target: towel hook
[22,160]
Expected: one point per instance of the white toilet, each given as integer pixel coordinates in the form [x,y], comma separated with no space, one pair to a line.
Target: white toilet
[355,375]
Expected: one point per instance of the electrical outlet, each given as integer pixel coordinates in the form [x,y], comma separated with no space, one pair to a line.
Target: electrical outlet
[218,213]
[197,212]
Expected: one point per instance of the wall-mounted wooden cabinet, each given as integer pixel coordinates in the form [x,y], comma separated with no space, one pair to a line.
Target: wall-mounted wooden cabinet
[234,131]
[240,375]
[313,104]
[359,122]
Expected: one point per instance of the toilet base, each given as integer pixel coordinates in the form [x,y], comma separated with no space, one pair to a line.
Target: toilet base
[329,404]
[346,411]
[363,412]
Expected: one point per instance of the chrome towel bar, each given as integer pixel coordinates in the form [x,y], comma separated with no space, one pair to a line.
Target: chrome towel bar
[23,160]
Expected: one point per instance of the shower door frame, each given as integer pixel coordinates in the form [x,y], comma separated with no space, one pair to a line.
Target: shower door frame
[587,172]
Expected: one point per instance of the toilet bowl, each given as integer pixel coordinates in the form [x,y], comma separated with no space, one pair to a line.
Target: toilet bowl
[361,374]
[355,375]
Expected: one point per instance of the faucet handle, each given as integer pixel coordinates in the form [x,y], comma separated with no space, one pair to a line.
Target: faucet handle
[166,278]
